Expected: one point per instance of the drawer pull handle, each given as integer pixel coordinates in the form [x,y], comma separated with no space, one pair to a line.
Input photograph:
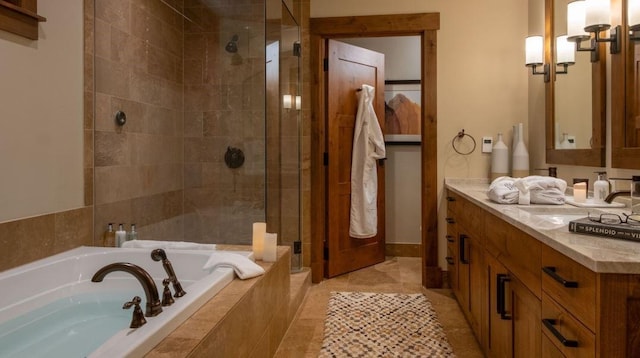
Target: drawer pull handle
[450,221]
[450,238]
[551,271]
[550,324]
[501,279]
[451,198]
[463,258]
[449,260]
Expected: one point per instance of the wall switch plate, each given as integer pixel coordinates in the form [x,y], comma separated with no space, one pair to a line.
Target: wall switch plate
[487,144]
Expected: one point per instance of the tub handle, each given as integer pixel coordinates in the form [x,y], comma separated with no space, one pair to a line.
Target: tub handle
[138,319]
[167,300]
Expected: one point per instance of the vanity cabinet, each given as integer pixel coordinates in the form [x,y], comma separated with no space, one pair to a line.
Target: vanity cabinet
[465,258]
[524,298]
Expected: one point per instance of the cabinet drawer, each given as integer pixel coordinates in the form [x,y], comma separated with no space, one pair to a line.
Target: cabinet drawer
[516,250]
[567,334]
[571,285]
[472,218]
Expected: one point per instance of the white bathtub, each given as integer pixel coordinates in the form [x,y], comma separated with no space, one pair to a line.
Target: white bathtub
[51,308]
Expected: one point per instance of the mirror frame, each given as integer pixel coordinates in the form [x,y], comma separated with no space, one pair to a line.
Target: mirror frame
[622,96]
[595,156]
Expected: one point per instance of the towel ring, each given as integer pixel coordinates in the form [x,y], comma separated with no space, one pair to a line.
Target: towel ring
[460,136]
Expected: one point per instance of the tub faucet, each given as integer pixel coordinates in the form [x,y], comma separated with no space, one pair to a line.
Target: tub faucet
[159,254]
[615,194]
[154,306]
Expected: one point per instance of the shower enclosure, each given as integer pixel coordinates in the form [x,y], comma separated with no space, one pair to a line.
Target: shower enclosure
[208,140]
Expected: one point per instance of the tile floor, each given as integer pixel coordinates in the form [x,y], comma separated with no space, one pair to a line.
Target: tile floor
[396,274]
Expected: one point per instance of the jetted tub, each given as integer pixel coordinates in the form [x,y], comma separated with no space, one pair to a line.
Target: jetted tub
[50,307]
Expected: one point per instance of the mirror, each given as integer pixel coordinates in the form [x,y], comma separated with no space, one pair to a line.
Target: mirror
[625,97]
[574,100]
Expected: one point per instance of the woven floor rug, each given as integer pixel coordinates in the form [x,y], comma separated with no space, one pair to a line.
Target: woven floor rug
[361,324]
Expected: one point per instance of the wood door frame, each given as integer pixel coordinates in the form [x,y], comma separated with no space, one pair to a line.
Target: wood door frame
[424,25]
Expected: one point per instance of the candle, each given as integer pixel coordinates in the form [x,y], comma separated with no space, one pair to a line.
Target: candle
[579,191]
[259,230]
[270,247]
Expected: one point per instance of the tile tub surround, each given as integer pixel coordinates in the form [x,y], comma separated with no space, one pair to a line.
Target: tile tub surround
[248,318]
[600,255]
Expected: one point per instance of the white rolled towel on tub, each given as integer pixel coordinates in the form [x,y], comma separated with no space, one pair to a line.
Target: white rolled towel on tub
[176,245]
[242,265]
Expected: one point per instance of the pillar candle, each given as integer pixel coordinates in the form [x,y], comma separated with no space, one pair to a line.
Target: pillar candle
[259,230]
[270,247]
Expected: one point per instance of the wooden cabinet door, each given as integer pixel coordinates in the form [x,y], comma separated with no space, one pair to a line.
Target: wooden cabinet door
[476,297]
[527,326]
[498,339]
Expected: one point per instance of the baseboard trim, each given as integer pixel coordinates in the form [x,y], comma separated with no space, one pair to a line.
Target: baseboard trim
[403,250]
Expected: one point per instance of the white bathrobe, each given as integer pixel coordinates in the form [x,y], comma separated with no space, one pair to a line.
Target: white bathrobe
[368,147]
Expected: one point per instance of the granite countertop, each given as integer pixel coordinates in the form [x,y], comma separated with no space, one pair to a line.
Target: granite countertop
[603,255]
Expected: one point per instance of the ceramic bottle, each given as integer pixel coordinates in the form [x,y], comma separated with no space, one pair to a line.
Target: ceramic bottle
[499,159]
[520,153]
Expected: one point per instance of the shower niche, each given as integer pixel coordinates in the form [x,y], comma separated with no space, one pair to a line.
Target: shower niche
[195,79]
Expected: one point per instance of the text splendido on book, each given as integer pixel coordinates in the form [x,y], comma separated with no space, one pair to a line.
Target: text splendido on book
[616,231]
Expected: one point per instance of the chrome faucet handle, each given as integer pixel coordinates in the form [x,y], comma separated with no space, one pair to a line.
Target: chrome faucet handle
[138,319]
[167,300]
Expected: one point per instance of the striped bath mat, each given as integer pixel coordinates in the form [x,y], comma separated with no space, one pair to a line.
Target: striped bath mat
[361,324]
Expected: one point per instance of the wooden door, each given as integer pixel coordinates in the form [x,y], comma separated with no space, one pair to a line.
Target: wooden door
[348,68]
[527,317]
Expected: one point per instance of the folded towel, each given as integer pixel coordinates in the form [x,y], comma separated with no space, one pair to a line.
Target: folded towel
[540,189]
[502,190]
[242,265]
[176,245]
[524,195]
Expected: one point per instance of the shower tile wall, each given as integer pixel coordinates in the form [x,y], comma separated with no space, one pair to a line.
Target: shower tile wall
[186,101]
[224,107]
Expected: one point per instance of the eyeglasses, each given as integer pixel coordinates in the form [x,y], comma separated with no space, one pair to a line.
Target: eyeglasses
[610,218]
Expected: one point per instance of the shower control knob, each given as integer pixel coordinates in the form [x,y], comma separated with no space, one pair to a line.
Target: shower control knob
[121,118]
[234,157]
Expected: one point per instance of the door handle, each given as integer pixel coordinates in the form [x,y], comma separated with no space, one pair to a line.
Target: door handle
[550,324]
[449,260]
[450,221]
[450,238]
[551,271]
[501,280]
[463,240]
[451,198]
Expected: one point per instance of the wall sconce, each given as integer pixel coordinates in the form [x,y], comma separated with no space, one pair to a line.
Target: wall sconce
[286,101]
[633,14]
[534,50]
[592,16]
[565,54]
[298,102]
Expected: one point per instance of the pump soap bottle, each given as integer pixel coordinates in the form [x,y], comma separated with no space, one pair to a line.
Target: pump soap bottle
[121,235]
[109,239]
[600,188]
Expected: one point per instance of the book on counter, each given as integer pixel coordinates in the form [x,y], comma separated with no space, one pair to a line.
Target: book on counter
[617,231]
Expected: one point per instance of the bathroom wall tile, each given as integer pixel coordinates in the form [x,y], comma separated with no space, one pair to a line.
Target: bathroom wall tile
[111,149]
[115,12]
[89,19]
[104,120]
[88,110]
[163,121]
[128,50]
[194,46]
[193,124]
[73,228]
[111,78]
[193,71]
[27,239]
[88,186]
[87,144]
[89,73]
[102,39]
[164,64]
[223,123]
[155,208]
[114,184]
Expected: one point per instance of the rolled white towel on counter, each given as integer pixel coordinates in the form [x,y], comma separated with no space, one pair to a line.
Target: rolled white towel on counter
[503,191]
[175,245]
[242,265]
[541,190]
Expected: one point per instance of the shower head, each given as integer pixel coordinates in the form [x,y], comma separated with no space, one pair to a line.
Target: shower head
[232,46]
